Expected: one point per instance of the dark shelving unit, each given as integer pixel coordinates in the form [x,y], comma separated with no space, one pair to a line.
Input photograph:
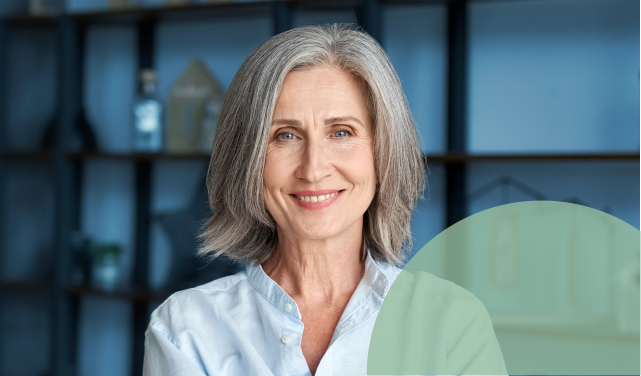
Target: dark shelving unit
[67,165]
[465,158]
[138,295]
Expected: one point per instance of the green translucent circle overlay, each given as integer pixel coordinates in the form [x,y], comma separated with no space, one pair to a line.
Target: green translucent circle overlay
[560,282]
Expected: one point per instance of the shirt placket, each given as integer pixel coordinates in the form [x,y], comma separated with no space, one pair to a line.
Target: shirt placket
[291,336]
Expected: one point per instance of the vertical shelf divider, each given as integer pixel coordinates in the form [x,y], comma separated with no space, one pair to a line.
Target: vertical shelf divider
[4,52]
[146,33]
[67,182]
[369,17]
[282,16]
[457,106]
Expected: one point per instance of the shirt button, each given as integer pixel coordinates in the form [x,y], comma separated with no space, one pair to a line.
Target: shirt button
[288,307]
[286,339]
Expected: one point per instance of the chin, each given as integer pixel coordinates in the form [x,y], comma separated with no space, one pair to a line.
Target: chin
[317,232]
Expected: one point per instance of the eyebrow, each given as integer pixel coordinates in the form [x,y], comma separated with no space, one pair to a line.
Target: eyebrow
[338,119]
[342,119]
[291,122]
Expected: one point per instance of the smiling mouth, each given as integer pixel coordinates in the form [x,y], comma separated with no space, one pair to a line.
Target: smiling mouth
[320,198]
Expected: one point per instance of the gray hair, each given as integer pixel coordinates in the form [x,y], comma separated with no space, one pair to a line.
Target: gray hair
[240,227]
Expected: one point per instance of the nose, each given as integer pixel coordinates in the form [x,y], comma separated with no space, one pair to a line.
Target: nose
[315,162]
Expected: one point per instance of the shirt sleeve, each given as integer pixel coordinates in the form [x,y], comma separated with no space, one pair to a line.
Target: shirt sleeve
[475,349]
[164,358]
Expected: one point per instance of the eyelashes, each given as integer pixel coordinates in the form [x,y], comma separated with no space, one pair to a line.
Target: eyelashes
[286,136]
[346,133]
[290,136]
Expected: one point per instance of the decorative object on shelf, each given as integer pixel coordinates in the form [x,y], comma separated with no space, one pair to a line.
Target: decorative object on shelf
[45,7]
[81,260]
[83,137]
[188,107]
[208,125]
[182,228]
[148,112]
[106,266]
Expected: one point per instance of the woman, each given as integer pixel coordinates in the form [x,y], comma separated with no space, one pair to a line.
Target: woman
[313,179]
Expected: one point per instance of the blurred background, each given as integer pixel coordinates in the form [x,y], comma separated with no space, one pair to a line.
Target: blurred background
[107,109]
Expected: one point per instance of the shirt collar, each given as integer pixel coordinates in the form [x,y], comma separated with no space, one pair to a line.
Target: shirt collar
[270,290]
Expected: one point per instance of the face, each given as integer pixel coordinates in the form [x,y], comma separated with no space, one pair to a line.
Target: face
[319,176]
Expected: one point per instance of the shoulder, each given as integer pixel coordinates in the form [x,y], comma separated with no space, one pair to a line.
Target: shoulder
[205,302]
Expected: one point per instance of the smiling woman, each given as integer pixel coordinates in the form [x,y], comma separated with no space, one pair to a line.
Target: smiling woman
[314,174]
[287,83]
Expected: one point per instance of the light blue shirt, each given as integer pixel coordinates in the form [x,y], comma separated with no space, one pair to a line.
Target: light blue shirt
[245,324]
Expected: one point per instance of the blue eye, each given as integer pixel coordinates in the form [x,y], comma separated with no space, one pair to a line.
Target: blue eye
[340,134]
[286,136]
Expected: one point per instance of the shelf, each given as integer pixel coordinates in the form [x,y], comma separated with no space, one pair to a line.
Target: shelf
[31,21]
[174,13]
[182,12]
[24,286]
[429,158]
[48,154]
[138,156]
[133,15]
[416,2]
[131,294]
[27,154]
[126,294]
[465,158]
[325,4]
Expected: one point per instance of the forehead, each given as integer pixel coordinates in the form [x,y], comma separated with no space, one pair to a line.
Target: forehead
[321,89]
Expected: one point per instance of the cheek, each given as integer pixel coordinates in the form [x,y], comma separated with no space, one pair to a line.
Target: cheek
[270,178]
[275,173]
[358,164]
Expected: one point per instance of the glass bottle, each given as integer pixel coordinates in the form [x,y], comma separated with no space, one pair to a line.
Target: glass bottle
[208,126]
[148,113]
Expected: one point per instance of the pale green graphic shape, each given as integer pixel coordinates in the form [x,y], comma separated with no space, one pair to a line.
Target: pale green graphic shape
[560,282]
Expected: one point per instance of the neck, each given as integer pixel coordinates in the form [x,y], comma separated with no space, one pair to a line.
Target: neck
[318,271]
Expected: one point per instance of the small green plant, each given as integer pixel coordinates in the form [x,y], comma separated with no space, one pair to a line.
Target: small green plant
[105,253]
[106,269]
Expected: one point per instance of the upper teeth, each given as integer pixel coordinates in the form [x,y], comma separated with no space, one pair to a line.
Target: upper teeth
[320,198]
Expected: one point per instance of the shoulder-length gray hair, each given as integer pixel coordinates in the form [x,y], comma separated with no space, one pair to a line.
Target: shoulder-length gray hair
[240,227]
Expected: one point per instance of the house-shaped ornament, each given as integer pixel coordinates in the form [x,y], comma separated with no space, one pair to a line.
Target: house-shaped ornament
[187,112]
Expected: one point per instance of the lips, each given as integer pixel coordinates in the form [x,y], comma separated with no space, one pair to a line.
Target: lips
[316,200]
[319,198]
[316,192]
